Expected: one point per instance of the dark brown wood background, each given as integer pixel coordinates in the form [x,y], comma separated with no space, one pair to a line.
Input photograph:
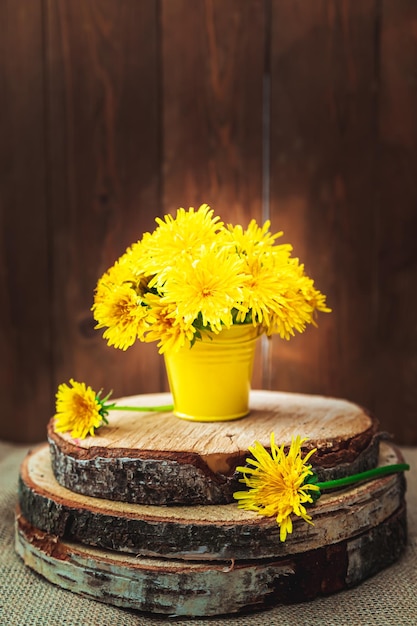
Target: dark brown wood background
[112,113]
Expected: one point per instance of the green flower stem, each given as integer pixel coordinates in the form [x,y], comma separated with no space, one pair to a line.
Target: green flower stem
[355,478]
[158,409]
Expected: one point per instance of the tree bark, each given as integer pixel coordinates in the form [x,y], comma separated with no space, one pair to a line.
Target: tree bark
[176,588]
[149,458]
[201,532]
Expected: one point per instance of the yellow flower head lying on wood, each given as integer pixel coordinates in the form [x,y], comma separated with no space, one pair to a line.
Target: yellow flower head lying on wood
[194,275]
[80,410]
[280,484]
[277,483]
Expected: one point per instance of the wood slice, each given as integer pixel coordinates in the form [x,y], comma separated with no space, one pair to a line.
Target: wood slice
[201,532]
[158,459]
[183,588]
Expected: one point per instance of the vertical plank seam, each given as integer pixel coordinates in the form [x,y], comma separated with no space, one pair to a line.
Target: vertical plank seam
[47,191]
[160,139]
[377,197]
[266,166]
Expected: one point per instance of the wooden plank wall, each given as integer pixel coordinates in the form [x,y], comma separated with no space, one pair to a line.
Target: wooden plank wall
[112,113]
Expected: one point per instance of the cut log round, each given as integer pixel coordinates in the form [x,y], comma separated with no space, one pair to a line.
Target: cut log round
[192,589]
[159,459]
[201,532]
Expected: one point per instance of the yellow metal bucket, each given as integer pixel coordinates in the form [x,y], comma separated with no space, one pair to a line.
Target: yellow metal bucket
[211,381]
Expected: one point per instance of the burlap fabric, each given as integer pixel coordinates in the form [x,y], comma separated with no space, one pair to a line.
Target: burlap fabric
[26,599]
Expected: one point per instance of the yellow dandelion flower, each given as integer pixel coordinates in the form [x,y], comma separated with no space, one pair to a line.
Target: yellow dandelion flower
[296,303]
[254,240]
[206,289]
[171,331]
[126,270]
[77,410]
[278,296]
[80,410]
[137,257]
[118,274]
[314,297]
[277,483]
[123,314]
[262,290]
[179,236]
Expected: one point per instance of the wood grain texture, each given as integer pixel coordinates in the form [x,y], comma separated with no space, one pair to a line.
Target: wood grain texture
[181,588]
[396,367]
[112,113]
[212,84]
[323,160]
[103,148]
[25,315]
[343,153]
[153,458]
[200,532]
[212,81]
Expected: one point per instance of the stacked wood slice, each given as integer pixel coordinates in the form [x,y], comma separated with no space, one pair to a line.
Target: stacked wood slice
[143,516]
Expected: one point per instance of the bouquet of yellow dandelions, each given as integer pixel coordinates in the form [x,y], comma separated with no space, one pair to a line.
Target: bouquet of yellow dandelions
[194,275]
